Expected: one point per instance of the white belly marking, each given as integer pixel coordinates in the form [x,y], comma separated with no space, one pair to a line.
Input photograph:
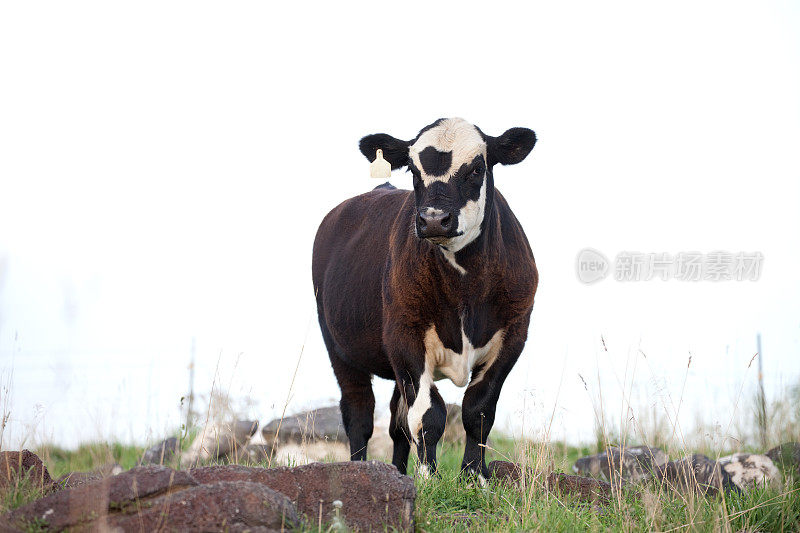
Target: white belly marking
[441,362]
[445,363]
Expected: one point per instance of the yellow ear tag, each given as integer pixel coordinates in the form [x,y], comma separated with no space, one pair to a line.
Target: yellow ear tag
[380,168]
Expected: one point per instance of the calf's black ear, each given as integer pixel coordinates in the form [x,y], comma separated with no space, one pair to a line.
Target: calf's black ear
[395,151]
[511,147]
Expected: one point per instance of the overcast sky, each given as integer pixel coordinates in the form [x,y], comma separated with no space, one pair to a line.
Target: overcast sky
[164,167]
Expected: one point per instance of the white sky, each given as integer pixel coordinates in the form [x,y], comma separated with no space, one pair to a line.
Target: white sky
[164,167]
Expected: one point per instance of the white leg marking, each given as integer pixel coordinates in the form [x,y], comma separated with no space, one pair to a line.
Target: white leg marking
[423,472]
[421,404]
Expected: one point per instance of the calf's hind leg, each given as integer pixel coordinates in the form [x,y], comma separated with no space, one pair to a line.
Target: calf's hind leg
[398,431]
[358,401]
[357,405]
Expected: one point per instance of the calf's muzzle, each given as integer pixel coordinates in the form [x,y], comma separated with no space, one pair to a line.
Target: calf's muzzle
[434,224]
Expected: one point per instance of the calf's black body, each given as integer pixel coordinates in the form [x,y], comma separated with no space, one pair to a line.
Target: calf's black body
[397,305]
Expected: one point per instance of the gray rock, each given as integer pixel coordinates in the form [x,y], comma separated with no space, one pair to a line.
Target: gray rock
[324,423]
[162,453]
[257,453]
[696,473]
[454,427]
[750,470]
[219,440]
[629,464]
[787,457]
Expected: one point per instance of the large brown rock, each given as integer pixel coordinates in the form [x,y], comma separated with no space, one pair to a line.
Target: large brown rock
[374,495]
[91,502]
[6,527]
[157,498]
[25,464]
[224,506]
[584,489]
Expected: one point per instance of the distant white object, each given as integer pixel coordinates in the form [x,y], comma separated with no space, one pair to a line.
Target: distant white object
[380,168]
[293,454]
[218,439]
[749,470]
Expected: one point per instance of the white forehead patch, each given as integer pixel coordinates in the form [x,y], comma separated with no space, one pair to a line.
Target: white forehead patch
[454,135]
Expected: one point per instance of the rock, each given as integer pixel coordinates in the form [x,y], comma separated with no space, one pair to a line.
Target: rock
[787,457]
[232,498]
[508,471]
[217,440]
[630,464]
[73,479]
[6,527]
[584,489]
[258,453]
[162,453]
[16,465]
[374,495]
[380,445]
[648,456]
[300,436]
[155,498]
[454,426]
[749,471]
[293,454]
[324,424]
[224,506]
[311,452]
[696,473]
[93,501]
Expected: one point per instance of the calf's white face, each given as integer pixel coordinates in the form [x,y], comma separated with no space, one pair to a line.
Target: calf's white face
[451,161]
[448,162]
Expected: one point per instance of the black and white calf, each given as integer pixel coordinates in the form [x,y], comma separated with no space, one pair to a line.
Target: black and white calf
[417,286]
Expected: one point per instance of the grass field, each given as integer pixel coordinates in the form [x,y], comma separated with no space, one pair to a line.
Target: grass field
[448,502]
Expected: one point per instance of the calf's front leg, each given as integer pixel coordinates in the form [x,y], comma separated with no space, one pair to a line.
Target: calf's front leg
[480,403]
[418,415]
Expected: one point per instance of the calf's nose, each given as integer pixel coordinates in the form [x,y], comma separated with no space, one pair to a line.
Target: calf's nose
[434,224]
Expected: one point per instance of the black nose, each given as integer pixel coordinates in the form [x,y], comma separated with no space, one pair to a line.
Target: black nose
[434,224]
